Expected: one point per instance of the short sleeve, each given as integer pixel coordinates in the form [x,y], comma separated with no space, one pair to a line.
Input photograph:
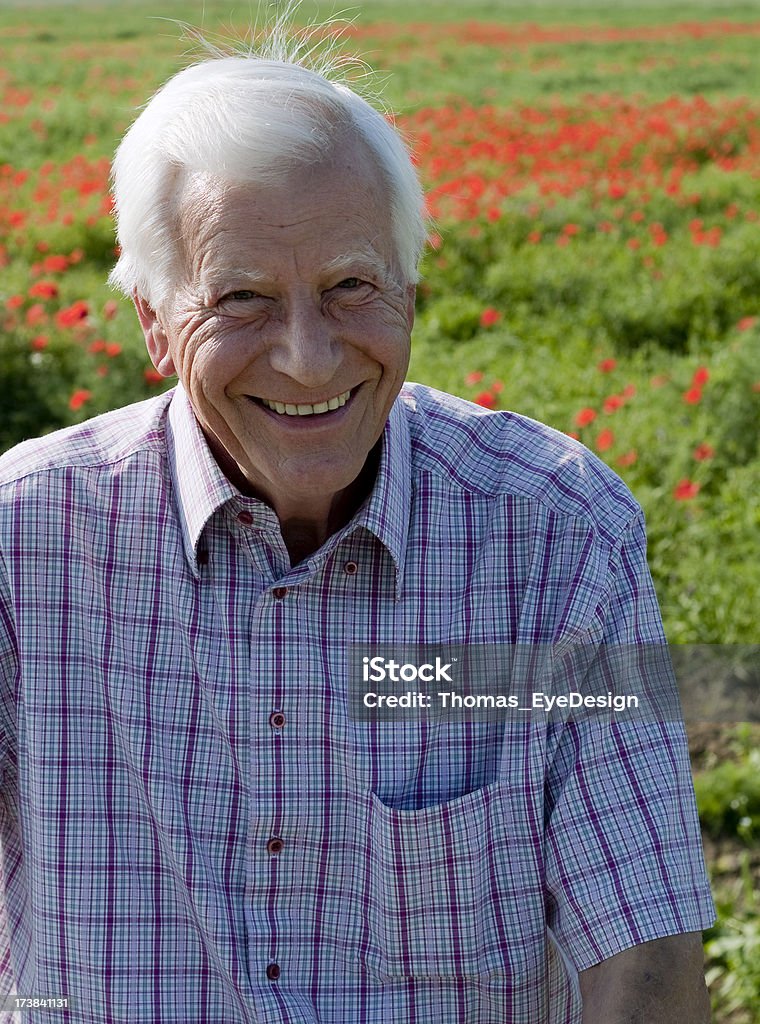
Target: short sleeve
[623,854]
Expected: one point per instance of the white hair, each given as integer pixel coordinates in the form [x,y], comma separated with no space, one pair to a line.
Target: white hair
[244,119]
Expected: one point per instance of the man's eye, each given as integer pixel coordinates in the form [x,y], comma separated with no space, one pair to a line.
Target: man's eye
[244,295]
[349,282]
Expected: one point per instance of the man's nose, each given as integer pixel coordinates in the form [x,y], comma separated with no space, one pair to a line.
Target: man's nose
[307,348]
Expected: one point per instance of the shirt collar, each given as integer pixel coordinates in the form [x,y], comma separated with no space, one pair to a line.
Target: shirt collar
[386,512]
[199,484]
[202,487]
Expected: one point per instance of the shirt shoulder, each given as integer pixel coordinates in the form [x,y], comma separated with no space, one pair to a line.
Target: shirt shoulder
[96,444]
[508,455]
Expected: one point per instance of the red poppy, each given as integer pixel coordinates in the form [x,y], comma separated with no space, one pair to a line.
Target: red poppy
[489,317]
[44,290]
[701,376]
[72,314]
[473,378]
[51,264]
[78,399]
[606,365]
[486,399]
[584,417]
[685,490]
[604,440]
[35,314]
[613,403]
[703,451]
[152,376]
[627,458]
[693,396]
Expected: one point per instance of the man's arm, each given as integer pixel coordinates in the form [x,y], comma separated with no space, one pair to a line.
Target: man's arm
[662,980]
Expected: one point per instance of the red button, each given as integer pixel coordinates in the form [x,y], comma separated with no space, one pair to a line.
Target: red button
[277,719]
[275,845]
[350,568]
[279,592]
[245,518]
[273,972]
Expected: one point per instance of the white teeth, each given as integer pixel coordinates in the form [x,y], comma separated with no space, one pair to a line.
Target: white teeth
[308,410]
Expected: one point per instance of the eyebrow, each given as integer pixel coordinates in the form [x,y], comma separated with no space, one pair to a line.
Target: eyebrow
[357,259]
[354,260]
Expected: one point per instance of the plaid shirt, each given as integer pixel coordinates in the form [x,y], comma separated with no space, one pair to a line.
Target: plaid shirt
[194,830]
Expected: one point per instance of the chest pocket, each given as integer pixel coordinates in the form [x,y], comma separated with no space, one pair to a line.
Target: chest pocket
[455,888]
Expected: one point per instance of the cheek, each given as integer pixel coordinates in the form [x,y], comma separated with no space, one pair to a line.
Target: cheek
[393,350]
[386,332]
[213,358]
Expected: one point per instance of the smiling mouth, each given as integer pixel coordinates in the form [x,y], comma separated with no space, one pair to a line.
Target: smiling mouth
[319,409]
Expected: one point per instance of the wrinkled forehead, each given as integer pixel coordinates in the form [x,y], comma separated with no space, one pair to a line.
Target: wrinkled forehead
[338,204]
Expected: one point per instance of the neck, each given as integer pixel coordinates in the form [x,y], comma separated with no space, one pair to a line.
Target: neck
[306,521]
[306,528]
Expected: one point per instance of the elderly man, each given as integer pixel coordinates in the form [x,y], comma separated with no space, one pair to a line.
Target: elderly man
[195,827]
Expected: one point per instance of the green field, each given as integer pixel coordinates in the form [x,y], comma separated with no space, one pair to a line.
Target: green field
[593,173]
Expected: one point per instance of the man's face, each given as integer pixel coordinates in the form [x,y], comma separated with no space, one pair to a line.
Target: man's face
[290,331]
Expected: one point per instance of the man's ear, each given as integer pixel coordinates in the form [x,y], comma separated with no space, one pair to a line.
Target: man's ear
[411,298]
[155,336]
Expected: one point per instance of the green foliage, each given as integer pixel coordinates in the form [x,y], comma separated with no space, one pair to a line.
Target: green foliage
[728,798]
[681,297]
[732,952]
[454,318]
